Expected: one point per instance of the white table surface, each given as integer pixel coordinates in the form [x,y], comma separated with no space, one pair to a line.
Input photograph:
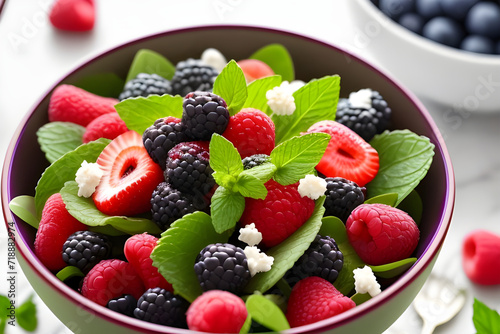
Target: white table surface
[33,56]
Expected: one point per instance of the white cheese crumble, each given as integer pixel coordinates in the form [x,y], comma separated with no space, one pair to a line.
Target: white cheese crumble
[292,87]
[257,260]
[365,281]
[281,100]
[88,177]
[214,58]
[361,99]
[312,186]
[250,235]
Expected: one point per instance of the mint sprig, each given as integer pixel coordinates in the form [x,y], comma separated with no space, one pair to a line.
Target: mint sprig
[59,138]
[278,58]
[151,62]
[231,85]
[266,312]
[485,319]
[226,209]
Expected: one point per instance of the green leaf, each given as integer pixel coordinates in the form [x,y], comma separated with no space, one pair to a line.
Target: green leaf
[103,84]
[297,157]
[64,169]
[176,252]
[59,138]
[231,85]
[404,159]
[4,304]
[69,272]
[24,207]
[226,209]
[262,172]
[246,325]
[26,315]
[151,62]
[288,252]
[278,58]
[139,113]
[250,186]
[486,320]
[316,101]
[388,199]
[393,269]
[257,90]
[360,298]
[266,313]
[86,212]
[412,204]
[224,157]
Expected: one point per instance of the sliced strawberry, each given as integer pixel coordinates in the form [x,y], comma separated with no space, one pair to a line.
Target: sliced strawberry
[481,257]
[347,154]
[129,177]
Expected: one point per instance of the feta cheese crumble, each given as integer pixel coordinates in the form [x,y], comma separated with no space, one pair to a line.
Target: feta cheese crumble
[250,235]
[365,281]
[312,186]
[214,58]
[257,260]
[281,100]
[88,177]
[292,87]
[361,99]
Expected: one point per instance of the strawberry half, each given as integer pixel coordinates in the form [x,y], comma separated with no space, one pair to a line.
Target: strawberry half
[481,257]
[347,154]
[129,177]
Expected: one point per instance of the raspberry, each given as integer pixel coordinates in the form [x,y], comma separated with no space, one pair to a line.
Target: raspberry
[313,299]
[84,249]
[73,15]
[125,304]
[204,114]
[162,307]
[162,136]
[255,160]
[223,267]
[381,234]
[481,257]
[217,311]
[192,75]
[110,279]
[251,131]
[145,84]
[108,126]
[342,196]
[280,214]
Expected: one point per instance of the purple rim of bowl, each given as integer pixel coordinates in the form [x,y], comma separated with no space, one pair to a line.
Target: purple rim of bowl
[406,279]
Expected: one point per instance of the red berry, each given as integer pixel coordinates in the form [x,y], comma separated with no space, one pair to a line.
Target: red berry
[313,299]
[129,177]
[381,234]
[255,69]
[481,257]
[138,250]
[108,126]
[251,131]
[347,154]
[73,15]
[280,214]
[217,311]
[111,279]
[56,225]
[72,104]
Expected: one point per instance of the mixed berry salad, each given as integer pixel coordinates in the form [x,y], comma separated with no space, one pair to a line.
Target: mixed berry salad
[199,194]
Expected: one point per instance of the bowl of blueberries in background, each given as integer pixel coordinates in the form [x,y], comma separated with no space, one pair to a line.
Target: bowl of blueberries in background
[446,51]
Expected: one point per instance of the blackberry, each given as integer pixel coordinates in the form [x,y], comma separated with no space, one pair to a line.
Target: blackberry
[342,196]
[163,135]
[125,304]
[144,85]
[222,266]
[84,249]
[160,306]
[255,160]
[365,122]
[192,75]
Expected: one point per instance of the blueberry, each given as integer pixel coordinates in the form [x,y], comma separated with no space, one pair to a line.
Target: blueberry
[479,44]
[484,19]
[444,30]
[428,8]
[395,8]
[413,22]
[457,9]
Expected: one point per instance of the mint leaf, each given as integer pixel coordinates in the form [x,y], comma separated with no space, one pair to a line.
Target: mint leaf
[103,84]
[176,252]
[404,159]
[388,199]
[231,85]
[486,320]
[86,212]
[250,186]
[151,62]
[64,169]
[316,101]
[278,58]
[412,204]
[224,157]
[59,138]
[69,272]
[139,113]
[297,157]
[288,252]
[26,315]
[257,90]
[226,209]
[266,313]
[393,269]
[262,172]
[24,207]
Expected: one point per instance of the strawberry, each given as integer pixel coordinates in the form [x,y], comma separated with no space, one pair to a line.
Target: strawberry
[108,126]
[481,257]
[137,250]
[73,15]
[72,104]
[381,234]
[278,215]
[56,225]
[251,131]
[255,69]
[347,154]
[313,299]
[129,177]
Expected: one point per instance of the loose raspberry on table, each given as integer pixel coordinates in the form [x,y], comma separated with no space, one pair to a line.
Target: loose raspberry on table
[162,307]
[84,249]
[342,196]
[481,257]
